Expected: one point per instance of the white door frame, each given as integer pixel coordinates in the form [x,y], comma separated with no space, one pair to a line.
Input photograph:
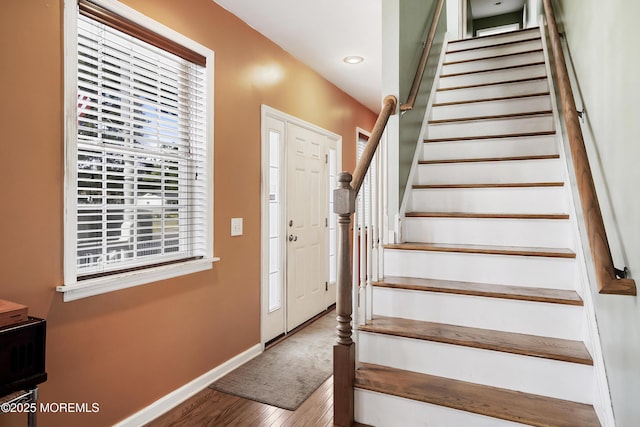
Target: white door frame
[333,138]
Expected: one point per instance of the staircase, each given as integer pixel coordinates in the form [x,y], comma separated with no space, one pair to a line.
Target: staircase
[478,320]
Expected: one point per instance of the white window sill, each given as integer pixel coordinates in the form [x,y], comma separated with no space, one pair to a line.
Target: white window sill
[102,285]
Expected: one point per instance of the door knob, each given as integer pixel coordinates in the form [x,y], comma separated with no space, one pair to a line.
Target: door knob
[293,238]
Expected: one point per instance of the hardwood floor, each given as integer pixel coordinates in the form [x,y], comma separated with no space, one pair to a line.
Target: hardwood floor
[214,408]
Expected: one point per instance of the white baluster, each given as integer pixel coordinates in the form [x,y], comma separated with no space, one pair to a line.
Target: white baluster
[362,258]
[355,271]
[369,243]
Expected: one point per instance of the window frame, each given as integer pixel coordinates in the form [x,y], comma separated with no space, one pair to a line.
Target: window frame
[73,288]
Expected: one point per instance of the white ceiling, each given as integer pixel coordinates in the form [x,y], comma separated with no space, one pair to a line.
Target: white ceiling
[484,8]
[320,33]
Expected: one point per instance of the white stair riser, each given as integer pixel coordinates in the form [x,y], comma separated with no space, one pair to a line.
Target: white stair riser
[486,148]
[492,91]
[497,76]
[383,410]
[529,104]
[492,51]
[487,64]
[482,231]
[541,170]
[528,200]
[492,40]
[524,317]
[561,380]
[554,273]
[475,128]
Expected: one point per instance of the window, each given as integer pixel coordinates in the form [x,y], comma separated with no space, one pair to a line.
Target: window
[138,151]
[498,30]
[275,226]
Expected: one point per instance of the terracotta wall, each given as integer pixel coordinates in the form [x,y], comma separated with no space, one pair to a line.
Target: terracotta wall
[126,349]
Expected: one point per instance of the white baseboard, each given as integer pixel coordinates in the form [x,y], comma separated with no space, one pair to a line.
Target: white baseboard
[178,396]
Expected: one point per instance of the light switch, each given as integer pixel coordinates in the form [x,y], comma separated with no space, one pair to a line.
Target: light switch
[236,226]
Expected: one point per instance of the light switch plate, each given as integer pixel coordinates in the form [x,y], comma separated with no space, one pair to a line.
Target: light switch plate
[236,226]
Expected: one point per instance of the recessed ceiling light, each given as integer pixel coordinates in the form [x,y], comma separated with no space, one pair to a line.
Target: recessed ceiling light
[353,59]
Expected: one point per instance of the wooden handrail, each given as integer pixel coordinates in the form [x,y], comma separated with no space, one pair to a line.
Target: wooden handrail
[422,65]
[388,109]
[608,283]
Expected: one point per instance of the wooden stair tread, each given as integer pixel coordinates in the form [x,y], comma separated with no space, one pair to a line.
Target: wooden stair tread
[494,402]
[523,30]
[484,215]
[490,159]
[484,249]
[486,339]
[495,45]
[530,79]
[523,293]
[481,137]
[524,52]
[488,70]
[500,98]
[493,117]
[489,185]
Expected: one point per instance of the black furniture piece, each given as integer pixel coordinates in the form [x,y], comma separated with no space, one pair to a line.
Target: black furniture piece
[22,366]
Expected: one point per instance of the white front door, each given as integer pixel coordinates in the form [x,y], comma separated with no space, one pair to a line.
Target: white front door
[300,163]
[306,224]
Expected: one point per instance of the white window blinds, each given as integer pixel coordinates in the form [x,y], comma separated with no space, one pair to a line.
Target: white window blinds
[141,154]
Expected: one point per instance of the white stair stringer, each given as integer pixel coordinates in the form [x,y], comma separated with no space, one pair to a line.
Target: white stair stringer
[489,175]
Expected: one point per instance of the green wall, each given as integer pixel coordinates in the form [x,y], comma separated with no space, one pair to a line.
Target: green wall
[602,39]
[415,21]
[497,21]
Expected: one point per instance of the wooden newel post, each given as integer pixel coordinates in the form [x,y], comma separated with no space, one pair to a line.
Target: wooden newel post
[344,362]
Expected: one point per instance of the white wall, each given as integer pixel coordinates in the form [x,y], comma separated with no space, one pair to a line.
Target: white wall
[533,10]
[454,10]
[602,38]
